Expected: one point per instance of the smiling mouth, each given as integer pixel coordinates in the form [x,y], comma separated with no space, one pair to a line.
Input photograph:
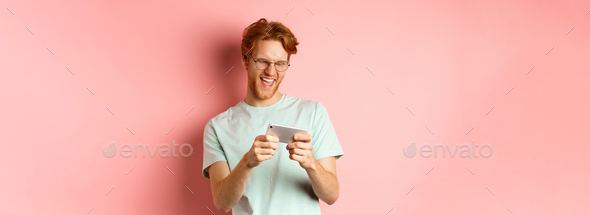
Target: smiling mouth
[267,82]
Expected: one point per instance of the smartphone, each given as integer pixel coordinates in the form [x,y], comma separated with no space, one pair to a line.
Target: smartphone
[283,132]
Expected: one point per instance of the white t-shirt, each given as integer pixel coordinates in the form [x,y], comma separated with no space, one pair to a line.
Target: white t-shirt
[279,185]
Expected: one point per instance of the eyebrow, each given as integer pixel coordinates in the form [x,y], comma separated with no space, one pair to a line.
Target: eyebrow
[269,60]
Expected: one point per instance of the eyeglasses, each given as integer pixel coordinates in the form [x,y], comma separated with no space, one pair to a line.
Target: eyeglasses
[262,64]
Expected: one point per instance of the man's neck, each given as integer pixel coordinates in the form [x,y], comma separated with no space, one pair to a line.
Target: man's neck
[255,102]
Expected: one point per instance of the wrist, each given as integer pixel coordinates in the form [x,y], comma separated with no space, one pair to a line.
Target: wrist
[244,162]
[313,167]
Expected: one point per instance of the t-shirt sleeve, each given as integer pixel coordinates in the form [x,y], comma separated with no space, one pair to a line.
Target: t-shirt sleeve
[212,150]
[324,140]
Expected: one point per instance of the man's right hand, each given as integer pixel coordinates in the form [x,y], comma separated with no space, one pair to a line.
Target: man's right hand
[263,148]
[228,185]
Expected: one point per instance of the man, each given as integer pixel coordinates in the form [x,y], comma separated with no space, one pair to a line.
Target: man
[252,173]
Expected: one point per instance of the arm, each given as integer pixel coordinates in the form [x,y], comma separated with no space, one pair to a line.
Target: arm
[324,181]
[322,173]
[227,187]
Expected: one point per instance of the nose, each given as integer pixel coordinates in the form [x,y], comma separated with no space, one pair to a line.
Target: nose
[271,71]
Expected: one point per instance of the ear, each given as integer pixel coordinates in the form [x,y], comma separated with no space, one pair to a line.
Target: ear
[245,61]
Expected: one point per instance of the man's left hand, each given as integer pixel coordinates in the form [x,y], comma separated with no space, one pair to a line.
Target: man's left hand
[301,149]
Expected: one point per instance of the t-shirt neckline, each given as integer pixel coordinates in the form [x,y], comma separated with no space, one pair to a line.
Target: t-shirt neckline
[250,107]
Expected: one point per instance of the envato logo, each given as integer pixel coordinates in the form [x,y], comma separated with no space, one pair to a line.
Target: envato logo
[465,151]
[164,150]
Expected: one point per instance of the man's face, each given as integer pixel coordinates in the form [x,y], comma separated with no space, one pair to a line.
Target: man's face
[273,51]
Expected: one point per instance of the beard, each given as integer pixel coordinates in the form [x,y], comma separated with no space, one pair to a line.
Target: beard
[254,83]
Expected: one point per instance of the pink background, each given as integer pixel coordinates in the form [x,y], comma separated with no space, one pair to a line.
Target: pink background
[150,62]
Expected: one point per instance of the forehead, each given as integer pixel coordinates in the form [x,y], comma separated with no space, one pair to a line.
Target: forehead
[271,50]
